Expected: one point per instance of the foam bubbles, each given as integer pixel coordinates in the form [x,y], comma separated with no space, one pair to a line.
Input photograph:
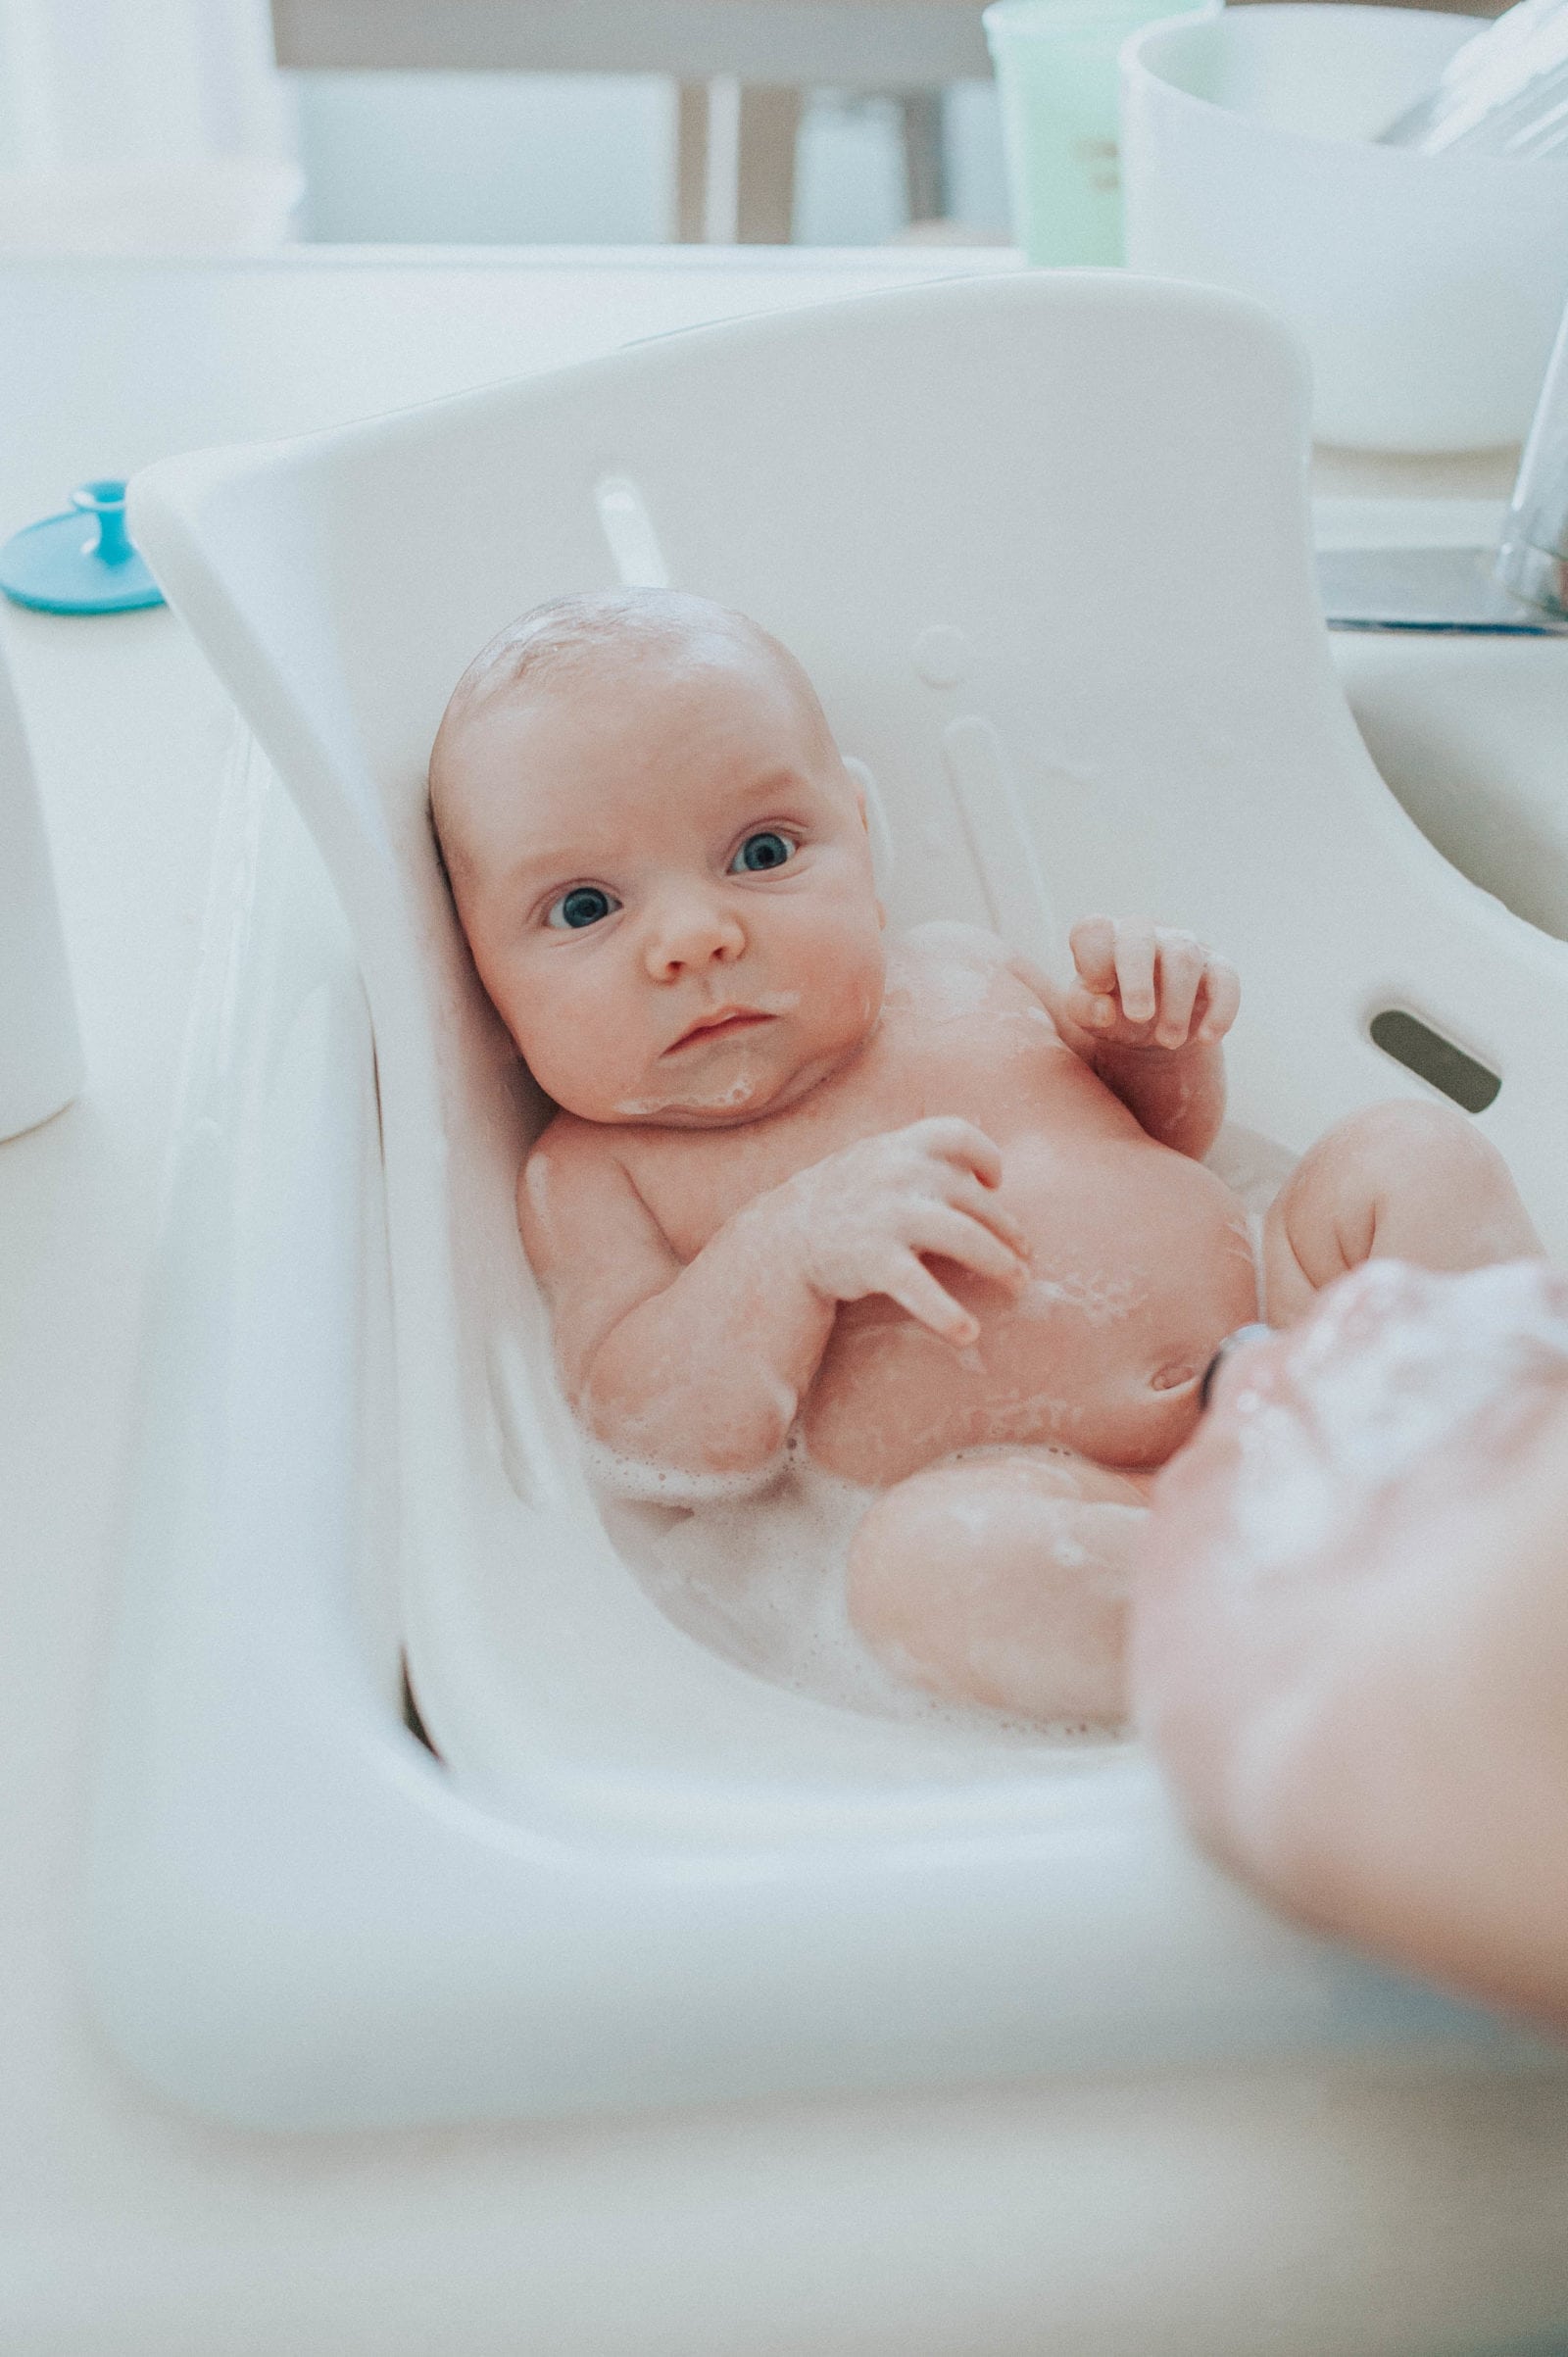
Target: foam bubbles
[759,1578]
[739,1092]
[1098,1300]
[630,1477]
[1394,1368]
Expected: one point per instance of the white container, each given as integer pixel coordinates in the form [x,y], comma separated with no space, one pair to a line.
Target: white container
[1426,288]
[40,1051]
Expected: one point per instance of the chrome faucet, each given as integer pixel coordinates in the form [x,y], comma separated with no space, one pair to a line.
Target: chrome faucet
[1519,589]
[1532,561]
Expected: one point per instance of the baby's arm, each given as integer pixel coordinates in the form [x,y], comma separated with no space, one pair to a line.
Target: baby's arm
[1147,1010]
[702,1367]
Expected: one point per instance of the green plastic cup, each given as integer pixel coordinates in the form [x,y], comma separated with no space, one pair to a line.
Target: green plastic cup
[1056,73]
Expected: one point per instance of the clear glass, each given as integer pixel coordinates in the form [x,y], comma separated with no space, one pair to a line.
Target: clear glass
[1504,93]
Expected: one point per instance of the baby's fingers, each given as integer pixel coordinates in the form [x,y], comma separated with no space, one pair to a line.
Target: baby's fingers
[1094,1009]
[1091,1000]
[1135,971]
[958,1237]
[908,1282]
[1220,998]
[980,1202]
[951,1140]
[1182,961]
[1092,943]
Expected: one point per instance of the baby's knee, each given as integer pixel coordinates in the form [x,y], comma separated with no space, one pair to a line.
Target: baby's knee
[1403,1142]
[1440,1190]
[1002,1583]
[1406,1180]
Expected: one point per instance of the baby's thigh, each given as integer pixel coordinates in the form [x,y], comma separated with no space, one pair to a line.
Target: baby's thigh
[1404,1181]
[1003,1578]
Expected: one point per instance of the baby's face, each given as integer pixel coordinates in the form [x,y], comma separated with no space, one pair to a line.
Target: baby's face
[665,882]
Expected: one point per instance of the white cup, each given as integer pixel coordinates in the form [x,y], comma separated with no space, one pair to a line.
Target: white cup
[1426,288]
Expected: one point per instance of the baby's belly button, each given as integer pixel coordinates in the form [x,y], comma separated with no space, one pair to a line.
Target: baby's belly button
[883,1406]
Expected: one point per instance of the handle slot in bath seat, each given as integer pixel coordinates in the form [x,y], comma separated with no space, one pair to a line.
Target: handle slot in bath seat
[1441,1062]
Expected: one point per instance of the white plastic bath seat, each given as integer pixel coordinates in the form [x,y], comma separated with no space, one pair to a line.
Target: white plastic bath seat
[1043,543]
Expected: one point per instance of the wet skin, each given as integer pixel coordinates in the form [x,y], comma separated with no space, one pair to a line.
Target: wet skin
[1138,1259]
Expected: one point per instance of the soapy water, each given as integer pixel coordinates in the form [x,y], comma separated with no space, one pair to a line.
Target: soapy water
[752,1565]
[760,1582]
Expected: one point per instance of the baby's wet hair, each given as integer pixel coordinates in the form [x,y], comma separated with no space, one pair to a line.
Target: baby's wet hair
[569,639]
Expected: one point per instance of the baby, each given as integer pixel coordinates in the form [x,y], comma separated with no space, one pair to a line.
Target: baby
[903,1194]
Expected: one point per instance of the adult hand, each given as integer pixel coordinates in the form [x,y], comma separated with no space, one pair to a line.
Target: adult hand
[1351,1623]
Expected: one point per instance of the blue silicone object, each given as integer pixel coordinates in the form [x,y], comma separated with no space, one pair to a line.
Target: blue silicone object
[81,562]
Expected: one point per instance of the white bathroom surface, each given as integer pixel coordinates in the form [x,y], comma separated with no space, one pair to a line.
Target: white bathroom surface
[1401,2208]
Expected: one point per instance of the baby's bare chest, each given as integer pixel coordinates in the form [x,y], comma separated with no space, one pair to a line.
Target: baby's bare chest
[1001,1066]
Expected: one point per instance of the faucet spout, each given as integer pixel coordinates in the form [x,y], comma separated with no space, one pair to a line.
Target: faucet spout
[1533,558]
[1517,590]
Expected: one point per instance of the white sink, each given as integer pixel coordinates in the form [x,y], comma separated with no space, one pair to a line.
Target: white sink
[1470,731]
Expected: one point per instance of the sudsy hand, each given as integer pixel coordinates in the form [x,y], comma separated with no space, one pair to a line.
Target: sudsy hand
[1350,1622]
[1139,985]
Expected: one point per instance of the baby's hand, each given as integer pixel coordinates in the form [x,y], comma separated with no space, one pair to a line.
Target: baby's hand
[866,1214]
[1147,986]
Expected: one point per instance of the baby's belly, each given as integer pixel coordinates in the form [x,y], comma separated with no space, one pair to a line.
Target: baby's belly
[1139,1273]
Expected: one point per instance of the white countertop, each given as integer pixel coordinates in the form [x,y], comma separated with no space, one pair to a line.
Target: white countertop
[1396,2210]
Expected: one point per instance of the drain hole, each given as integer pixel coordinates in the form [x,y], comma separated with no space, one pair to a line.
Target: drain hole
[1434,1060]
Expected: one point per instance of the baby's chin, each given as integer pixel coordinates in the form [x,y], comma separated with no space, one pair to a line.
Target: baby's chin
[730,1085]
[698,1104]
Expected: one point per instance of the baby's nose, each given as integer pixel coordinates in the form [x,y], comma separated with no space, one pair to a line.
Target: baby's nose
[690,929]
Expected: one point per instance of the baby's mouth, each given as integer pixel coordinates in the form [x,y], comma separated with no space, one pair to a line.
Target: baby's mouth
[720,1024]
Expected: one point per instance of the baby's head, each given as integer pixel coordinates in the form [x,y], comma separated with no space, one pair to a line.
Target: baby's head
[658,859]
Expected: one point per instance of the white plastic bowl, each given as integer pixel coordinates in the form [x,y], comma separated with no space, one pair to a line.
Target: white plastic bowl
[1426,288]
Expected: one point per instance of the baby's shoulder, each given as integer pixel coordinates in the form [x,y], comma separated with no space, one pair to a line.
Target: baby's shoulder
[568,1174]
[566,1143]
[958,962]
[944,940]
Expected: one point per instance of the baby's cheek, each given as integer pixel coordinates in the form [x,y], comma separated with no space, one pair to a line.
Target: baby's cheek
[583,1046]
[837,958]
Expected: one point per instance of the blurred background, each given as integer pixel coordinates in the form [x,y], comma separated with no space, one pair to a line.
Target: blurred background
[147,124]
[144,123]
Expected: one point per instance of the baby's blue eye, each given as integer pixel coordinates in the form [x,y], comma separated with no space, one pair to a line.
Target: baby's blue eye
[583,905]
[760,851]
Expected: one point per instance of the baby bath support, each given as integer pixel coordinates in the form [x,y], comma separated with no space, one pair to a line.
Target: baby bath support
[643,1876]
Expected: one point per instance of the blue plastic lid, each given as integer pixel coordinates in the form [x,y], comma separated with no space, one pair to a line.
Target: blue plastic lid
[80,561]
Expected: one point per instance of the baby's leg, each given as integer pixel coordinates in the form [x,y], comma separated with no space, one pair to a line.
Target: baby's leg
[1002,1579]
[1398,1182]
